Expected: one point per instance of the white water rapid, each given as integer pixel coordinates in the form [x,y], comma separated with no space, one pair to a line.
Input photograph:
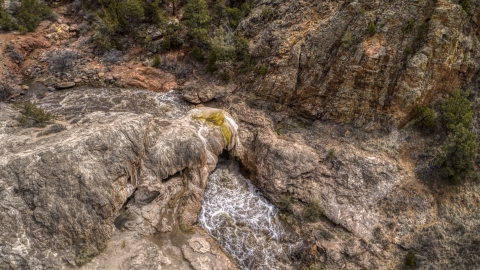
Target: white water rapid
[243,222]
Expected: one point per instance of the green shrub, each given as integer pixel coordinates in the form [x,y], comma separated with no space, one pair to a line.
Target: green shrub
[422,32]
[197,54]
[347,39]
[234,16]
[197,19]
[425,118]
[219,11]
[410,259]
[30,13]
[153,12]
[267,12]
[262,70]
[156,61]
[409,27]
[458,110]
[134,13]
[212,60]
[246,7]
[170,38]
[286,202]
[372,29]
[316,266]
[457,154]
[33,116]
[312,211]
[226,76]
[242,47]
[459,150]
[331,154]
[465,5]
[224,45]
[85,253]
[116,18]
[6,21]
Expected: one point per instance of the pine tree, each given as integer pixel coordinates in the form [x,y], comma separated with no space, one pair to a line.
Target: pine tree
[197,20]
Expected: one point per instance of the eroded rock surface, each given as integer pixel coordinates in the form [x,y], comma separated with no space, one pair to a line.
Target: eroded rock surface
[375,206]
[364,62]
[65,194]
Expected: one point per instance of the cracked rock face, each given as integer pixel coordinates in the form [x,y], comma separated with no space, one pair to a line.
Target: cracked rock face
[62,192]
[324,62]
[376,208]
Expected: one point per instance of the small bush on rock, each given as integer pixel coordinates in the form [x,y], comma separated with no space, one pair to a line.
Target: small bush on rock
[262,70]
[197,54]
[225,76]
[113,57]
[313,211]
[410,259]
[465,5]
[84,254]
[372,29]
[425,118]
[347,40]
[14,54]
[286,202]
[156,61]
[267,12]
[224,46]
[331,154]
[212,60]
[409,27]
[234,15]
[62,60]
[242,47]
[33,116]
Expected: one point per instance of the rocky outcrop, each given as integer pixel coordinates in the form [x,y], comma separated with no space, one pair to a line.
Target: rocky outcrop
[375,206]
[197,92]
[363,62]
[65,194]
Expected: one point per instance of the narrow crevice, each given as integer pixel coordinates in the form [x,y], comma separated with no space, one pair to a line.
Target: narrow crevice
[131,197]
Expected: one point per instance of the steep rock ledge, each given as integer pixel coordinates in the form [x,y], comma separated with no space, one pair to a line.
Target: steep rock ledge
[375,206]
[62,192]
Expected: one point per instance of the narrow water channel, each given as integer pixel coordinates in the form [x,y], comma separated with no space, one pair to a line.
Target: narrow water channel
[243,222]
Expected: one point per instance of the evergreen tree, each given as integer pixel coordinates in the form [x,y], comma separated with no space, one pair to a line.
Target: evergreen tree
[458,153]
[197,20]
[6,21]
[459,150]
[219,11]
[458,110]
[30,13]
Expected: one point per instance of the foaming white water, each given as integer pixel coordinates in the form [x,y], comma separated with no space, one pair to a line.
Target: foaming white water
[246,225]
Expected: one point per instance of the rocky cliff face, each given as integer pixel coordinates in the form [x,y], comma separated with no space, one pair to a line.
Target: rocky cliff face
[363,62]
[146,171]
[376,203]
